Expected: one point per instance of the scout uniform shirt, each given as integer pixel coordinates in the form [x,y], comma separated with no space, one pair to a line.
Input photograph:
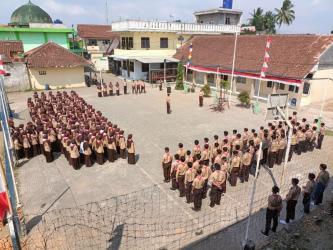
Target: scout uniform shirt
[181,152]
[131,149]
[323,177]
[205,155]
[293,193]
[74,152]
[206,172]
[246,159]
[274,202]
[122,143]
[235,162]
[218,178]
[309,187]
[167,158]
[198,182]
[282,144]
[196,150]
[189,175]
[182,168]
[274,146]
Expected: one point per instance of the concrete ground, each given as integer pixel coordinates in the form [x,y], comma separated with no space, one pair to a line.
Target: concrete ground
[45,187]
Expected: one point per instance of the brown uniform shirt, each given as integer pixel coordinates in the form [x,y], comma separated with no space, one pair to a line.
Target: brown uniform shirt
[323,177]
[182,168]
[218,178]
[274,202]
[181,152]
[274,146]
[246,159]
[131,149]
[167,158]
[198,182]
[206,172]
[309,187]
[190,175]
[293,193]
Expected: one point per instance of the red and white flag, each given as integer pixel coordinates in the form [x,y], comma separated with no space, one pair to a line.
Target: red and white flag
[4,205]
[2,71]
[266,58]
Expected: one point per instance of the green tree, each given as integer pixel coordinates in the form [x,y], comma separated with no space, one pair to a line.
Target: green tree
[269,22]
[244,98]
[180,77]
[257,19]
[206,90]
[224,85]
[285,15]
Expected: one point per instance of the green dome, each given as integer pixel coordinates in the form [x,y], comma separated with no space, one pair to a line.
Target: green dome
[29,13]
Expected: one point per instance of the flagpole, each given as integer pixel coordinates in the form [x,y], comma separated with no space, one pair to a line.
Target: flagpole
[233,67]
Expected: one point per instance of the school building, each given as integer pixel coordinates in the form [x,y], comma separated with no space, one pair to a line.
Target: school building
[147,46]
[300,65]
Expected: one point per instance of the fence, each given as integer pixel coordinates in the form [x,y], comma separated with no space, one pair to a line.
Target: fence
[149,219]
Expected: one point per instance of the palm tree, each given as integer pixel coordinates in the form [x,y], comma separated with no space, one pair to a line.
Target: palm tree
[257,19]
[285,15]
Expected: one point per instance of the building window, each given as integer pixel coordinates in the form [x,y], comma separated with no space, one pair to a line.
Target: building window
[42,73]
[164,43]
[124,65]
[145,43]
[270,84]
[241,80]
[225,78]
[227,20]
[211,22]
[131,66]
[306,88]
[281,86]
[293,88]
[106,42]
[127,42]
[92,42]
[145,67]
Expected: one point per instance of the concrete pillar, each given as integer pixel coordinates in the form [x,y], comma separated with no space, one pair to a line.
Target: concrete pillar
[252,82]
[218,80]
[193,77]
[274,90]
[234,86]
[205,78]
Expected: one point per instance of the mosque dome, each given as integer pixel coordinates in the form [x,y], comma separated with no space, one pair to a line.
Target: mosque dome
[29,13]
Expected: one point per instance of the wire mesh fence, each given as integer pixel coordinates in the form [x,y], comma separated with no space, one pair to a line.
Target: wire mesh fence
[149,219]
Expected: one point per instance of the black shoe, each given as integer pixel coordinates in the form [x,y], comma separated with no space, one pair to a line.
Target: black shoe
[264,233]
[173,189]
[211,205]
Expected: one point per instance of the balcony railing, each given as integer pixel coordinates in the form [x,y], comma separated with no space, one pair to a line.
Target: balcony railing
[191,28]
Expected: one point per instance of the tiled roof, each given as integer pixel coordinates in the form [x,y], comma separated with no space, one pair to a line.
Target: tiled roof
[95,31]
[9,47]
[291,56]
[53,55]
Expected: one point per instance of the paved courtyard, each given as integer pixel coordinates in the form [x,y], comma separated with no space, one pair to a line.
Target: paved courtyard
[45,187]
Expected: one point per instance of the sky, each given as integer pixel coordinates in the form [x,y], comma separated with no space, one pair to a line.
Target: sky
[312,16]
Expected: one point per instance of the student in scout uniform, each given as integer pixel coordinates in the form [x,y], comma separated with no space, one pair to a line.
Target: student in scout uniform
[245,166]
[201,94]
[180,176]
[292,198]
[130,149]
[321,135]
[217,179]
[110,89]
[189,178]
[273,210]
[122,146]
[75,156]
[117,88]
[87,155]
[197,190]
[293,144]
[181,151]
[197,149]
[99,150]
[105,90]
[111,149]
[272,152]
[206,173]
[168,104]
[307,192]
[173,172]
[234,168]
[166,164]
[47,150]
[282,149]
[125,87]
[99,91]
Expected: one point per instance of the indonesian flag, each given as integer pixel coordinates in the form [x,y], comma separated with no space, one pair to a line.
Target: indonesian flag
[4,205]
[2,71]
[266,58]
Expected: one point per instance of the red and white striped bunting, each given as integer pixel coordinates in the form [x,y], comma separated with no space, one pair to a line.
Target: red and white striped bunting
[266,58]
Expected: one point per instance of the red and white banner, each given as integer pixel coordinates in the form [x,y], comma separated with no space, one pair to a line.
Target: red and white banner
[4,205]
[266,57]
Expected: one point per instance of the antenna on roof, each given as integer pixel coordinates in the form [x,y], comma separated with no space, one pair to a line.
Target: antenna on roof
[107,11]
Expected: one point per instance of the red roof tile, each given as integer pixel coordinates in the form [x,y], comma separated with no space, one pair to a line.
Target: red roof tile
[291,56]
[95,31]
[53,55]
[7,48]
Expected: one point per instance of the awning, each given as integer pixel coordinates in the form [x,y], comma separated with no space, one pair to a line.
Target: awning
[144,59]
[283,80]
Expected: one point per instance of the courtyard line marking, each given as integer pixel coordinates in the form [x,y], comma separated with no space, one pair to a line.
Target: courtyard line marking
[228,196]
[163,190]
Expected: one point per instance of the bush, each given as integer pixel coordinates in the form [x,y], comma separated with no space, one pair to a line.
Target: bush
[180,75]
[244,98]
[206,90]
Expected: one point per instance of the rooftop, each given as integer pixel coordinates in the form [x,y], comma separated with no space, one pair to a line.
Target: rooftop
[291,56]
[95,31]
[175,27]
[7,48]
[217,10]
[53,55]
